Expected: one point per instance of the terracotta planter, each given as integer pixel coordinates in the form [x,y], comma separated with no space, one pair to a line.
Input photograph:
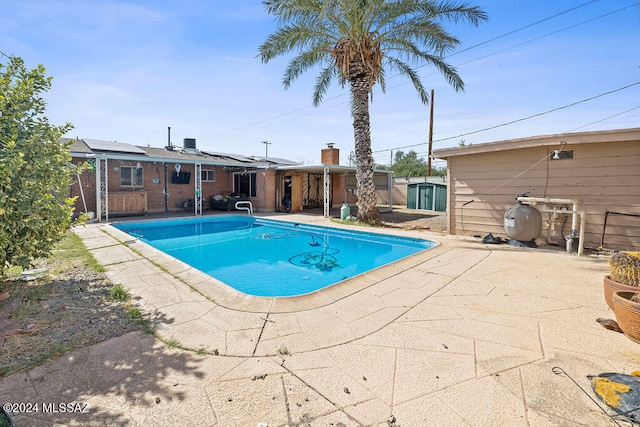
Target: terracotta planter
[610,286]
[627,314]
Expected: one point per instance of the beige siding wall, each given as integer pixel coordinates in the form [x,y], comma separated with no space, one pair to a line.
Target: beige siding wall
[602,176]
[398,195]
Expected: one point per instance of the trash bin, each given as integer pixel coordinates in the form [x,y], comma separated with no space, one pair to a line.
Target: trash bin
[345,211]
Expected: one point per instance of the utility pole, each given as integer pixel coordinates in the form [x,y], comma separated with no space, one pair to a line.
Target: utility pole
[266,148]
[430,135]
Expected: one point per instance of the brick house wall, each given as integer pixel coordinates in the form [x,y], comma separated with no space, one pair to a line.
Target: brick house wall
[88,180]
[265,191]
[157,176]
[154,177]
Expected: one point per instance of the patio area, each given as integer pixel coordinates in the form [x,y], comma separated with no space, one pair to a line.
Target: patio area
[463,334]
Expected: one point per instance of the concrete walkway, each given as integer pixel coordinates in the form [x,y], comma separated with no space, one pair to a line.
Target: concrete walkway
[464,334]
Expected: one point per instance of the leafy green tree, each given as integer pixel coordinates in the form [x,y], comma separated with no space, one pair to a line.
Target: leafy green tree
[438,171]
[408,164]
[35,210]
[357,42]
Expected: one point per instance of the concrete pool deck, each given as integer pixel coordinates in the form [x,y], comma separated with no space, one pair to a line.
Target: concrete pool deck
[464,334]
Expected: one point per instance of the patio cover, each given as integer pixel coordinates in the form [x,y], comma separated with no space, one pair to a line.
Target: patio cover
[383,179]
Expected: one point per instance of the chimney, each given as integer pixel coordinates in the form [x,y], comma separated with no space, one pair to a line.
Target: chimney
[169,146]
[330,155]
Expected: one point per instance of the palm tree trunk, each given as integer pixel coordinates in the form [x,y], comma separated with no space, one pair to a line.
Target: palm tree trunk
[365,185]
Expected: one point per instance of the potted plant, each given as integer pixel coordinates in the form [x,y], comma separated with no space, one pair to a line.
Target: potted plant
[626,306]
[624,276]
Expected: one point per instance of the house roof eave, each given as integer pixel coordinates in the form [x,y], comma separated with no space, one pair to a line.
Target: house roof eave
[618,135]
[143,158]
[321,168]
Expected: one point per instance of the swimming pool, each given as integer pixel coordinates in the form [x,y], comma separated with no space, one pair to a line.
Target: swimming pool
[270,258]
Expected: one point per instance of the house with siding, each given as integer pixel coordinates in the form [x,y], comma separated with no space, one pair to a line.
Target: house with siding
[123,179]
[600,170]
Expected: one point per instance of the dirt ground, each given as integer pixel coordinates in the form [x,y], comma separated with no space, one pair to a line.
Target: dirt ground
[45,318]
[413,219]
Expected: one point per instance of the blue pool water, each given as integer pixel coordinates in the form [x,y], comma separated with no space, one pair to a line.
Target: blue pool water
[272,258]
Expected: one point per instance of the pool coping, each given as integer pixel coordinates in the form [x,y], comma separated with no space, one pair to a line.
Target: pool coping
[228,297]
[474,336]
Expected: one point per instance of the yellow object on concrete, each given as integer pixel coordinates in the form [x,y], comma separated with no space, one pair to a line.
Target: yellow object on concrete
[609,390]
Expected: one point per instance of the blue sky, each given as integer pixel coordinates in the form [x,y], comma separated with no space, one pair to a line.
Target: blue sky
[127,70]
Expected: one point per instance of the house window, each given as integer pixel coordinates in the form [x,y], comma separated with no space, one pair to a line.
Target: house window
[131,176]
[561,155]
[245,183]
[208,176]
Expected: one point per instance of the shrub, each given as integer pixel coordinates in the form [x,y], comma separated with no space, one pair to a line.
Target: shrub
[35,171]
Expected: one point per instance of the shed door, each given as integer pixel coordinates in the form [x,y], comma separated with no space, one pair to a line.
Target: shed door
[425,197]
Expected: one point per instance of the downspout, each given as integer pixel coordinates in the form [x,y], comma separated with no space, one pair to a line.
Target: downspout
[166,199]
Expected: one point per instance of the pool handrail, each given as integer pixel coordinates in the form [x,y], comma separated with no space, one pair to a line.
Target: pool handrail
[248,208]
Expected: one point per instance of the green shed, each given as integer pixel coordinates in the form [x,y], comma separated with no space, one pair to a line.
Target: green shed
[427,196]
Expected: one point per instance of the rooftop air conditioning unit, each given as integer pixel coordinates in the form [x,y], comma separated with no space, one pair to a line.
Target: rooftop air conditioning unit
[189,143]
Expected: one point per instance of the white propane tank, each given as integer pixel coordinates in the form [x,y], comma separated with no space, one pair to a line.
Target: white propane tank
[523,222]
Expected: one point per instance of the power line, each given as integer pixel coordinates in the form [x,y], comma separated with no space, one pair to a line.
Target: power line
[253,126]
[435,160]
[250,126]
[517,120]
[522,43]
[551,33]
[602,120]
[548,18]
[424,153]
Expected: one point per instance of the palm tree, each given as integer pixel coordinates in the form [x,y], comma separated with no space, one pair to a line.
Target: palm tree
[356,42]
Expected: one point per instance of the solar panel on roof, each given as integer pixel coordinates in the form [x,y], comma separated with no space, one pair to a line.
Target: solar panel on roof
[120,147]
[237,157]
[276,160]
